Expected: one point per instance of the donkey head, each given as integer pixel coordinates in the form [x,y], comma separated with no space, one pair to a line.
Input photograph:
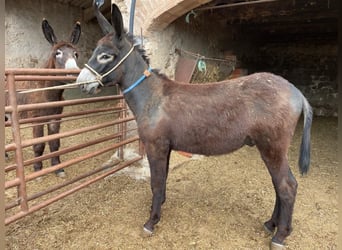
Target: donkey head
[64,54]
[106,65]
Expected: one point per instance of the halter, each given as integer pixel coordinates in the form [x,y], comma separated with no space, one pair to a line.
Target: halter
[99,77]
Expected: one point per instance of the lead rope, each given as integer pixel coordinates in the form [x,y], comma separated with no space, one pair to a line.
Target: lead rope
[146,74]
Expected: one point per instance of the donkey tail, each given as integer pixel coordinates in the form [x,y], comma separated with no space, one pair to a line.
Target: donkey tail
[304,153]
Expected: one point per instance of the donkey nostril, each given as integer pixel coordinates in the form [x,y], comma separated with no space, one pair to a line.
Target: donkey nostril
[92,90]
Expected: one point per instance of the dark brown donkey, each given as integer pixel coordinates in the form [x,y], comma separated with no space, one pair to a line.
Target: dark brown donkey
[63,55]
[259,110]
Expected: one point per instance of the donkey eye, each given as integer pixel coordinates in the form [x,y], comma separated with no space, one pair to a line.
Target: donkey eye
[59,53]
[105,58]
[76,55]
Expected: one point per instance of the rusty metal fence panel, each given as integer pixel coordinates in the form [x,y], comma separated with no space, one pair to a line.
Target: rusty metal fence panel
[102,126]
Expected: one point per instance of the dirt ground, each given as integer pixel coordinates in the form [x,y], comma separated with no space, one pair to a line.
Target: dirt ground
[212,203]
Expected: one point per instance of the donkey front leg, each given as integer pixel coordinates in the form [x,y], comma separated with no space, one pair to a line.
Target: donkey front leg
[38,149]
[53,128]
[159,170]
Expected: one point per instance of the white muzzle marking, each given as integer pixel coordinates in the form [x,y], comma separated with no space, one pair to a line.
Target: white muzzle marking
[92,84]
[71,64]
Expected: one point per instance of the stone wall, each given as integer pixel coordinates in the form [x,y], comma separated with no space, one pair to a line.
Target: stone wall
[311,66]
[309,63]
[25,44]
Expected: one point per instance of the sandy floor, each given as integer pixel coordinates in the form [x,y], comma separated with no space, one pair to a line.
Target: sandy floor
[212,203]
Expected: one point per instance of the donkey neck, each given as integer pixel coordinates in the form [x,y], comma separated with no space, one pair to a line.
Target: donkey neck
[139,97]
[55,94]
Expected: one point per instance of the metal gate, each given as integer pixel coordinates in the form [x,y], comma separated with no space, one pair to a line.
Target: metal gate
[88,137]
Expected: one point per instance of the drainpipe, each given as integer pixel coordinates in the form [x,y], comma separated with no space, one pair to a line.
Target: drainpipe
[131,16]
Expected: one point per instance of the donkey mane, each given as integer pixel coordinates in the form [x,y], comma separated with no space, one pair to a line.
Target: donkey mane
[133,39]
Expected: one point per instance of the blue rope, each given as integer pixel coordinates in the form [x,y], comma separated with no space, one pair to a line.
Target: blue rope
[140,80]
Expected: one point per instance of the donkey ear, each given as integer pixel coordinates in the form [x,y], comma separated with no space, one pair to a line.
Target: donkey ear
[117,21]
[76,33]
[106,27]
[48,32]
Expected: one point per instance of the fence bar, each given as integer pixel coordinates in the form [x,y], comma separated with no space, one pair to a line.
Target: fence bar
[66,183]
[22,195]
[19,182]
[43,105]
[69,149]
[65,115]
[35,71]
[30,142]
[121,128]
[64,151]
[34,175]
[70,191]
[46,78]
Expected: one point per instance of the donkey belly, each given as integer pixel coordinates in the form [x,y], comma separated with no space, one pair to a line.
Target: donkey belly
[208,145]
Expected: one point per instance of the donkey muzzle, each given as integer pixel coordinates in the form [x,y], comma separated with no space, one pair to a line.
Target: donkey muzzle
[91,84]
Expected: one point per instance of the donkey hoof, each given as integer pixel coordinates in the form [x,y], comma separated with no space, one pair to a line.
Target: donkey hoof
[147,232]
[276,246]
[61,174]
[268,231]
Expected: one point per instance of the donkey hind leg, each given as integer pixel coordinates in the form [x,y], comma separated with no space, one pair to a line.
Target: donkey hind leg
[271,224]
[38,149]
[285,186]
[159,170]
[53,128]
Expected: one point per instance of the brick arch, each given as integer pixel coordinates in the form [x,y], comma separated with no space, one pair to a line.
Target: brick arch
[151,15]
